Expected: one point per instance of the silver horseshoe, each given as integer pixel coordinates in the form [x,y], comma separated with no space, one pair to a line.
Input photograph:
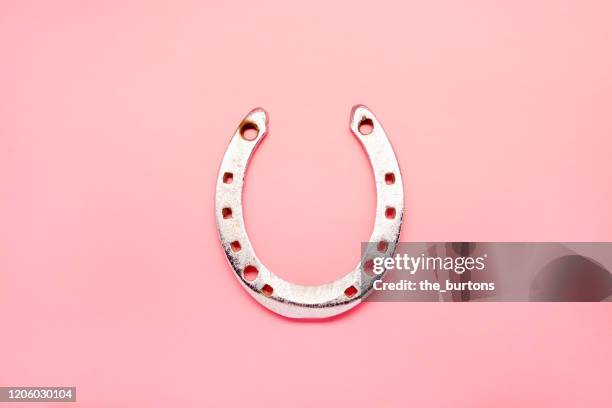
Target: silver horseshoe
[278,295]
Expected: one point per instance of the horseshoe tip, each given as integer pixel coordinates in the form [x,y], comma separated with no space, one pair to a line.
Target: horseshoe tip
[257,118]
[258,112]
[358,114]
[359,108]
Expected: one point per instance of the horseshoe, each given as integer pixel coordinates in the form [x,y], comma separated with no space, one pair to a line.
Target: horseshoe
[276,294]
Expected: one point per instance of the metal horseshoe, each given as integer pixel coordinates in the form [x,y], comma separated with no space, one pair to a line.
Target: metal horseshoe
[278,295]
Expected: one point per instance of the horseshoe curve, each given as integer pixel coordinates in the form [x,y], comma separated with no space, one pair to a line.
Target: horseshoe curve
[276,294]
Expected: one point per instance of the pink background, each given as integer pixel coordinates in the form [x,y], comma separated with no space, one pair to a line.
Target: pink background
[114,117]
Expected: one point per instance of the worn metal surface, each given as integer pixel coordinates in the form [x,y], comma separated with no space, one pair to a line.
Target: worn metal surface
[278,295]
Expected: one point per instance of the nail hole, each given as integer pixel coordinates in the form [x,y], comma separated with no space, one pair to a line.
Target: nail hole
[226,213]
[228,178]
[350,291]
[382,246]
[368,267]
[249,131]
[236,247]
[390,213]
[366,126]
[390,178]
[267,290]
[250,273]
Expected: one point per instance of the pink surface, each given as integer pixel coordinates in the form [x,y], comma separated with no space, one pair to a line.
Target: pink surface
[114,117]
